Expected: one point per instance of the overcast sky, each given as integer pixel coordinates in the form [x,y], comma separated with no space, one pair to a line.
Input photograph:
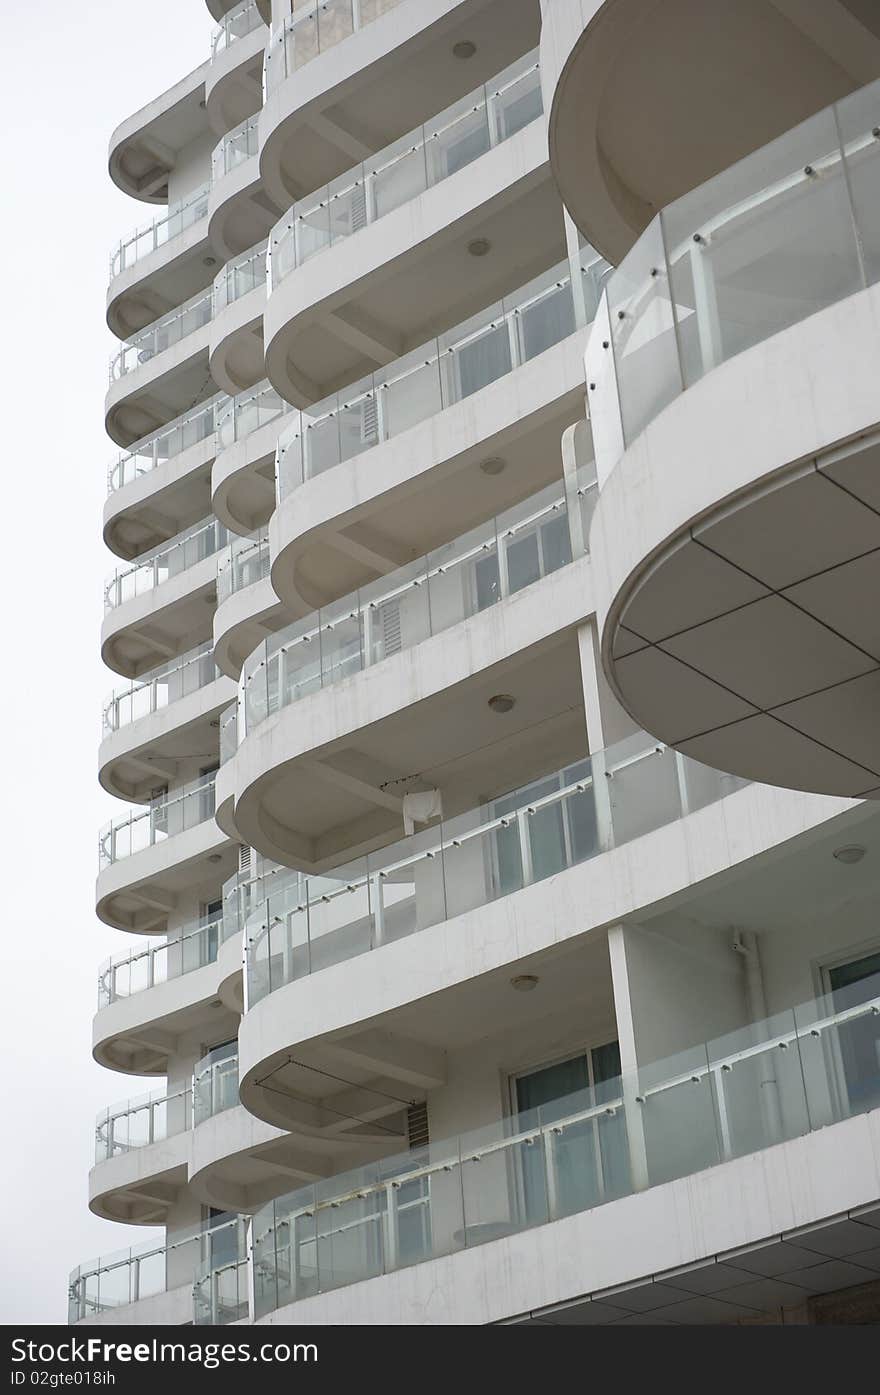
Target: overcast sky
[71,73]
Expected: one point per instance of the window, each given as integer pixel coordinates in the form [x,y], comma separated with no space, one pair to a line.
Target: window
[857,1042]
[586,1162]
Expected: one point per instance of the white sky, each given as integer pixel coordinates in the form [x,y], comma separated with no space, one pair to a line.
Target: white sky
[70,73]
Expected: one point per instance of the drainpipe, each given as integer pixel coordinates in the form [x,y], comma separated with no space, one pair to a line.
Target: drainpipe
[745,943]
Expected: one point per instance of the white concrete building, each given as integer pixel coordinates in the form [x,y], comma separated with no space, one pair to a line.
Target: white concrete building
[473,990]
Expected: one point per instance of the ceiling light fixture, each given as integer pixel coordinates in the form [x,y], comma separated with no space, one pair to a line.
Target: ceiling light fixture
[209,261]
[465,48]
[853,852]
[493,466]
[479,246]
[524,983]
[502,702]
[215,857]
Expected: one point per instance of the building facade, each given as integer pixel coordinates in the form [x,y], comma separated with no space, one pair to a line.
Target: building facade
[495,542]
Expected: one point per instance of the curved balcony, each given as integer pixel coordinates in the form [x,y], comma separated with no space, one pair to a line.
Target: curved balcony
[504,683]
[433,377]
[413,164]
[154,725]
[160,265]
[735,624]
[148,856]
[750,71]
[240,213]
[225,775]
[487,404]
[236,348]
[161,373]
[243,478]
[432,594]
[151,996]
[319,115]
[174,463]
[247,606]
[569,1160]
[233,81]
[141,1155]
[163,334]
[294,925]
[145,147]
[149,1284]
[158,605]
[416,272]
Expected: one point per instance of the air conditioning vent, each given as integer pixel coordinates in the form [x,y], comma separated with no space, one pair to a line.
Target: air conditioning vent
[389,619]
[244,860]
[358,208]
[370,420]
[417,1125]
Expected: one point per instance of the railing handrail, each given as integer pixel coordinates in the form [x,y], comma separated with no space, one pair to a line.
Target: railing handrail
[158,675]
[221,38]
[400,588]
[452,1152]
[208,525]
[131,956]
[383,160]
[161,803]
[172,211]
[138,449]
[118,1258]
[431,353]
[122,1108]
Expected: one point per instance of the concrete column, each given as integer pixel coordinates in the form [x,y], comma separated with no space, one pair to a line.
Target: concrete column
[638,1158]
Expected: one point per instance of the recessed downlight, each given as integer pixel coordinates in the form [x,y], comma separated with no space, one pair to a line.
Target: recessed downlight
[215,857]
[479,246]
[209,261]
[502,702]
[465,48]
[853,852]
[524,983]
[493,466]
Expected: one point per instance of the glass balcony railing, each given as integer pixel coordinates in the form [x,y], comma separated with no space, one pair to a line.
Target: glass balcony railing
[315,26]
[417,161]
[115,1280]
[157,690]
[193,947]
[164,817]
[239,416]
[774,1080]
[163,445]
[215,1083]
[495,560]
[220,1287]
[172,559]
[786,232]
[240,21]
[136,1123]
[228,732]
[243,274]
[178,324]
[448,370]
[300,925]
[236,146]
[244,563]
[168,225]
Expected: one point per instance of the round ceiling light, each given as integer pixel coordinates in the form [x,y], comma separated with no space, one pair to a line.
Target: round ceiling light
[853,852]
[479,247]
[465,48]
[493,466]
[502,702]
[524,983]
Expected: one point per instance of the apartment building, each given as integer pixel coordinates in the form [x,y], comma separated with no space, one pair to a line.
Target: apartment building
[495,545]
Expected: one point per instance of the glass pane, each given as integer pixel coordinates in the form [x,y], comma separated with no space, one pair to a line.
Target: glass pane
[762,246]
[859,118]
[643,333]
